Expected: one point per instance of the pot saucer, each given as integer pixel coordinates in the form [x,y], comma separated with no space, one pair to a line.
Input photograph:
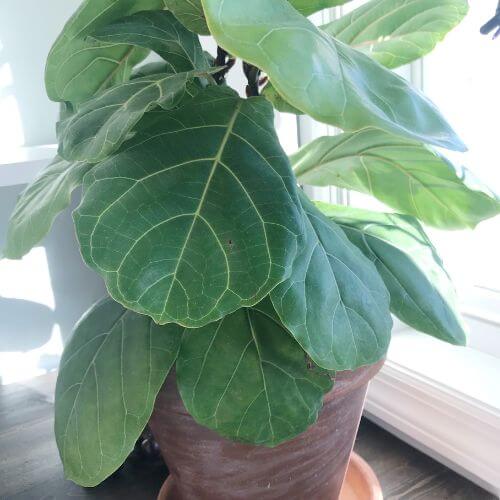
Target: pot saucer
[360,482]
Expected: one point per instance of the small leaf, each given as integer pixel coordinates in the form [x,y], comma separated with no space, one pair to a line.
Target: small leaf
[270,93]
[190,14]
[77,66]
[160,32]
[308,7]
[323,77]
[150,69]
[405,175]
[40,203]
[334,302]
[198,215]
[110,374]
[396,33]
[261,391]
[422,294]
[103,123]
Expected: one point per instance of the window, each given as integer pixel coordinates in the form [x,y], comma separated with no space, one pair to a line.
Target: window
[462,77]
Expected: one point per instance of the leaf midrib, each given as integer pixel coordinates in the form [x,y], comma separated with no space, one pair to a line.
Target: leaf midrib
[216,162]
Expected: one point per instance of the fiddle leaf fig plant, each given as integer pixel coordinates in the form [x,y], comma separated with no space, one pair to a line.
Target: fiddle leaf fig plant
[219,268]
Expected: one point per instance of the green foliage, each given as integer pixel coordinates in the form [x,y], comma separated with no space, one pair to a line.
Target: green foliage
[407,176]
[110,374]
[77,65]
[338,85]
[421,291]
[103,123]
[396,33]
[160,32]
[308,7]
[262,392]
[190,14]
[197,216]
[271,94]
[40,203]
[334,303]
[192,216]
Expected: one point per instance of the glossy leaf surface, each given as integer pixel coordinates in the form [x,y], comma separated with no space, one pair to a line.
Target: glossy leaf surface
[405,175]
[160,32]
[395,32]
[321,76]
[334,302]
[246,378]
[40,203]
[198,215]
[77,65]
[110,374]
[103,123]
[422,294]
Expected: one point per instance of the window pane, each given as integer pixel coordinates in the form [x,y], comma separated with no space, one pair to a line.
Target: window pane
[462,77]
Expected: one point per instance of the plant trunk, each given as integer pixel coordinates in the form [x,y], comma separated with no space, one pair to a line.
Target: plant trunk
[312,466]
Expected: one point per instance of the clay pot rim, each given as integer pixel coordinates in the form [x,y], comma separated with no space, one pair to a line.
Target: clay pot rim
[347,381]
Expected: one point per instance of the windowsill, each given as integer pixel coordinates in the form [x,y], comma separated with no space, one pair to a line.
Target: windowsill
[20,165]
[461,371]
[444,401]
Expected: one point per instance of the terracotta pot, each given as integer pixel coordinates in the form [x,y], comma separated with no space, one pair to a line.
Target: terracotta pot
[312,466]
[360,483]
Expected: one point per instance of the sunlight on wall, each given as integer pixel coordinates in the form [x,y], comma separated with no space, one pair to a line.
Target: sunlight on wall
[28,278]
[28,282]
[18,366]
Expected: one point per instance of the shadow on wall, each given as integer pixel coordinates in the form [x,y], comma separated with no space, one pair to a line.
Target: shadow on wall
[27,31]
[42,297]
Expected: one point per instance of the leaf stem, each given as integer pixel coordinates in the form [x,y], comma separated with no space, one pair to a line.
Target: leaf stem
[253,77]
[223,59]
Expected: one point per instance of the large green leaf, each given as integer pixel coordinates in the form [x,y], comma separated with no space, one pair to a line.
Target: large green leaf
[103,123]
[422,294]
[405,175]
[110,374]
[161,32]
[78,66]
[395,32]
[321,76]
[334,303]
[198,215]
[40,203]
[246,378]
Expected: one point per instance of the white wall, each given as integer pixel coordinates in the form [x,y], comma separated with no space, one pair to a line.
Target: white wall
[42,296]
[27,30]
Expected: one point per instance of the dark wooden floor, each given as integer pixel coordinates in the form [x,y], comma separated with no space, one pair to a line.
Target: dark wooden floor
[30,467]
